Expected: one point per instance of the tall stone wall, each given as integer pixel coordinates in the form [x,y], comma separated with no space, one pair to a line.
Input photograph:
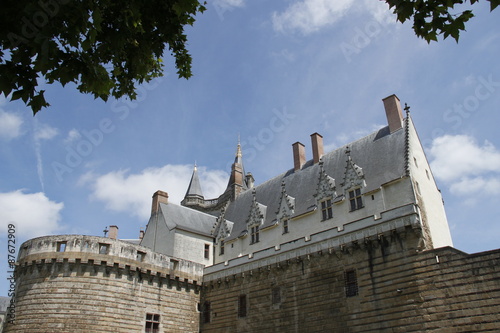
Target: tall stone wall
[77,287]
[399,289]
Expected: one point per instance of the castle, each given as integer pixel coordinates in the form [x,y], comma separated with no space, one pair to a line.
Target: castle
[353,240]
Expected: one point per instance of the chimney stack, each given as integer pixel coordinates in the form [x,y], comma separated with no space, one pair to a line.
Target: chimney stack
[141,234]
[158,197]
[299,155]
[393,112]
[317,146]
[113,232]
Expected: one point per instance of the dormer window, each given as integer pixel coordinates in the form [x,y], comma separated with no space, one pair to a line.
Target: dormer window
[221,252]
[326,209]
[254,232]
[285,226]
[355,199]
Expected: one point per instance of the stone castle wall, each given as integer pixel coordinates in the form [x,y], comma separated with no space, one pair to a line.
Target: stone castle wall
[94,284]
[399,289]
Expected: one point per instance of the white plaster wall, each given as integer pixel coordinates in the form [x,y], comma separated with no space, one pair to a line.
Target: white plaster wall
[191,246]
[393,195]
[430,199]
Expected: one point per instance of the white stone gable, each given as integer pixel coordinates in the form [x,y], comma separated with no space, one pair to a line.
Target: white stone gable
[257,212]
[353,176]
[286,205]
[326,185]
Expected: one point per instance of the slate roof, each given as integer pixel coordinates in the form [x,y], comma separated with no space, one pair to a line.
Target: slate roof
[381,156]
[180,217]
[194,188]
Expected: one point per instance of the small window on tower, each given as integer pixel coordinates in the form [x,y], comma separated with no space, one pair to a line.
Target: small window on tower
[206,312]
[276,295]
[351,283]
[152,323]
[103,248]
[242,306]
[61,246]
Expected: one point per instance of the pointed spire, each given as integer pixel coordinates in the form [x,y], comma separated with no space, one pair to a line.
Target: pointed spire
[237,181]
[194,188]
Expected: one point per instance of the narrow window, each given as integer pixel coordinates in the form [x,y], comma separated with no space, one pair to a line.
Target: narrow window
[351,283]
[140,256]
[61,246]
[152,323]
[206,312]
[207,251]
[427,174]
[326,209]
[103,248]
[355,199]
[221,247]
[285,226]
[276,295]
[242,306]
[415,160]
[255,234]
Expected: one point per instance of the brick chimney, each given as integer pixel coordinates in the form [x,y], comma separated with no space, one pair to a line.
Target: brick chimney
[317,146]
[158,197]
[113,232]
[393,112]
[299,155]
[141,234]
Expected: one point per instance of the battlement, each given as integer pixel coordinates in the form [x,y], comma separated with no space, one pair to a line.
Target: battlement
[108,252]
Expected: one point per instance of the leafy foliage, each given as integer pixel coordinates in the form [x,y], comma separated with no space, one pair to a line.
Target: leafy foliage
[432,18]
[104,46]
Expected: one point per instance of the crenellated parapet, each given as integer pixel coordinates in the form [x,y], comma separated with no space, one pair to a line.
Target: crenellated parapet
[105,251]
[75,283]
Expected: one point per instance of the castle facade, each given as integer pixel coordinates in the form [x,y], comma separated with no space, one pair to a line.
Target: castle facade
[353,240]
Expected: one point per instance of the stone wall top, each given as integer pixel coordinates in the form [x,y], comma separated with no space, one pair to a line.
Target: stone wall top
[101,249]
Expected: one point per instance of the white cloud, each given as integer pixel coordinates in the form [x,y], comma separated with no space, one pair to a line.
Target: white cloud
[10,125]
[310,15]
[228,4]
[33,214]
[73,135]
[45,132]
[466,166]
[131,193]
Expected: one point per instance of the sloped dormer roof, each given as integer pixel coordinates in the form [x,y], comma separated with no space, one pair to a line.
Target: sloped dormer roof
[381,155]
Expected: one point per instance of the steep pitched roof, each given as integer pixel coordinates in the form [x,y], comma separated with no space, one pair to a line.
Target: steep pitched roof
[170,217]
[194,188]
[381,156]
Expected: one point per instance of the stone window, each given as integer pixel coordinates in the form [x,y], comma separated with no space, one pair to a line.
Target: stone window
[103,248]
[285,226]
[221,252]
[242,306]
[254,232]
[207,251]
[355,199]
[61,246]
[152,323]
[140,256]
[326,209]
[276,295]
[206,312]
[351,283]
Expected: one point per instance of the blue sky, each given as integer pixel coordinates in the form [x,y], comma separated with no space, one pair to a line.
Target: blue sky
[271,73]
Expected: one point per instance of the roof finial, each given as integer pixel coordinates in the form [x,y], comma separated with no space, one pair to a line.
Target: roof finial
[238,149]
[348,151]
[407,109]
